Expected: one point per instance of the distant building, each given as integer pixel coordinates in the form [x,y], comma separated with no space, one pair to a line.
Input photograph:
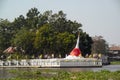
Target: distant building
[114,52]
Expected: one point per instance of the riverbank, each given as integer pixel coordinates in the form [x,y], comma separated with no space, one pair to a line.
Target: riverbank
[49,74]
[108,72]
[115,63]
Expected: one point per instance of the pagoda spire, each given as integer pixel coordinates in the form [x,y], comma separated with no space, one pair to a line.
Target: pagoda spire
[77,44]
[76,51]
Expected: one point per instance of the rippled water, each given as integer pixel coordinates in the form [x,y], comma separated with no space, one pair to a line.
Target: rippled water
[4,72]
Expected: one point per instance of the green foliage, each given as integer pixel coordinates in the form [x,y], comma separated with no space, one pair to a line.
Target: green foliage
[5,34]
[45,33]
[24,39]
[32,18]
[48,40]
[18,23]
[64,42]
[44,39]
[85,44]
[51,74]
[115,62]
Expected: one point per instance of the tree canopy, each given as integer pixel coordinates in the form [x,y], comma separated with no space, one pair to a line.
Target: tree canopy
[43,33]
[99,45]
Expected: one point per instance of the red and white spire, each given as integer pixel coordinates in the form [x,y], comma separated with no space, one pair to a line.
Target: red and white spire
[76,51]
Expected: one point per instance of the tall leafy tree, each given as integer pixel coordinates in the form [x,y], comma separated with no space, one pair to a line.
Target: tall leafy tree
[85,44]
[5,34]
[32,18]
[44,40]
[24,39]
[47,41]
[61,24]
[64,43]
[19,23]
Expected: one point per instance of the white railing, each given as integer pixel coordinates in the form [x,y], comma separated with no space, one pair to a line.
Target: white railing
[52,62]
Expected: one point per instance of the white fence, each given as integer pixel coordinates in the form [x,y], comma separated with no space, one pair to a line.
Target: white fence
[53,62]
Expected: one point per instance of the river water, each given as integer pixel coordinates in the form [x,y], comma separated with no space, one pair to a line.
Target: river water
[4,72]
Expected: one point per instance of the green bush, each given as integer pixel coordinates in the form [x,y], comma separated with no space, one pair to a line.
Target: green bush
[46,74]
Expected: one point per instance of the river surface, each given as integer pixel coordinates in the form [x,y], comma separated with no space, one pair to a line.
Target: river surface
[4,72]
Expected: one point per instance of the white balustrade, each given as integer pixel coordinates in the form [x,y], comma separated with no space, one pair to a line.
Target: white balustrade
[53,62]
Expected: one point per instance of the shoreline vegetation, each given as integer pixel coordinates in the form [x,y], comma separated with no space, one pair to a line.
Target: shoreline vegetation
[115,62]
[47,74]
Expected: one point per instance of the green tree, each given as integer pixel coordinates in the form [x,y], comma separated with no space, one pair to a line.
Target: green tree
[44,40]
[5,34]
[61,24]
[25,39]
[48,41]
[32,18]
[64,43]
[18,23]
[85,44]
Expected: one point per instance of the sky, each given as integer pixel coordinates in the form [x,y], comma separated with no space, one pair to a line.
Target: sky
[98,17]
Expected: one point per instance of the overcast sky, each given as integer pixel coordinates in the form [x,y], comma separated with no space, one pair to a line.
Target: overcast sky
[98,17]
